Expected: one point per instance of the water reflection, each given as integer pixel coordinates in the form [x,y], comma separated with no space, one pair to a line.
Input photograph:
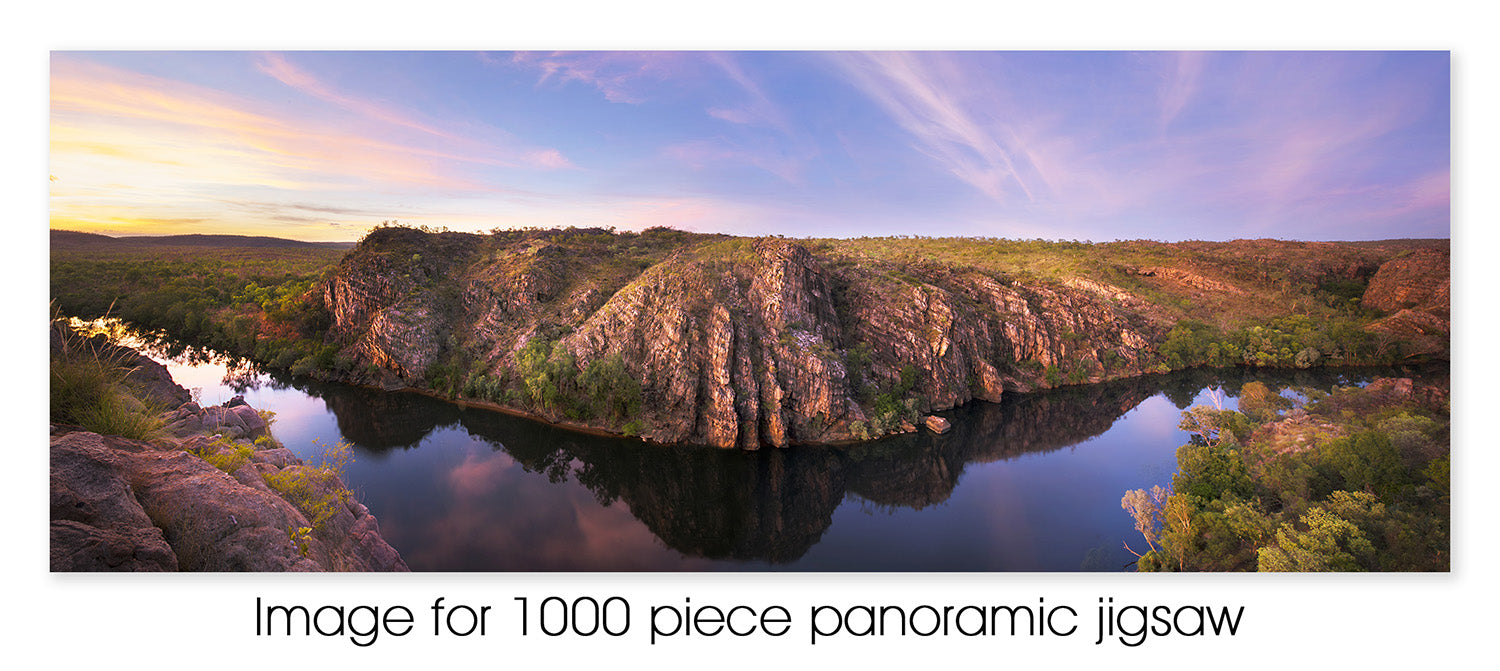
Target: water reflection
[1032,483]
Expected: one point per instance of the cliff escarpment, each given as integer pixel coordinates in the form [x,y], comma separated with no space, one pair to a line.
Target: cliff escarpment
[1414,290]
[738,342]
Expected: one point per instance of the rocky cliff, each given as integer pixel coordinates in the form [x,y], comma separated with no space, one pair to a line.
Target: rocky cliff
[1414,289]
[724,341]
[215,493]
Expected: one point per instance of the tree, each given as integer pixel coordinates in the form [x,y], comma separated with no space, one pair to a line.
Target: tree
[1260,403]
[1330,541]
[1146,508]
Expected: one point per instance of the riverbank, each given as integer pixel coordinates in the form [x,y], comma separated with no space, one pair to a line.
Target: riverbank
[198,489]
[466,489]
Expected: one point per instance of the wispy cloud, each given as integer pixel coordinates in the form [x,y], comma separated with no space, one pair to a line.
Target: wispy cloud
[111,121]
[139,117]
[1181,84]
[278,67]
[758,108]
[622,76]
[1207,143]
[462,147]
[1049,144]
[923,95]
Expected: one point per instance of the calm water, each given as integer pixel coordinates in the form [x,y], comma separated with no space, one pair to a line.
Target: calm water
[1031,484]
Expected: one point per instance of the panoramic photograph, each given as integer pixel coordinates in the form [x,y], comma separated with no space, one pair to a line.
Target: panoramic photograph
[818,311]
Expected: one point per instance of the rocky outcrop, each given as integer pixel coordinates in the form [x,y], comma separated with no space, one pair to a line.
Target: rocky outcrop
[1415,289]
[1418,281]
[734,342]
[199,499]
[1193,280]
[235,419]
[1302,431]
[97,523]
[766,345]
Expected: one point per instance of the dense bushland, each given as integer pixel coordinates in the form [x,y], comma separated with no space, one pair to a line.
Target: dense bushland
[257,303]
[1356,479]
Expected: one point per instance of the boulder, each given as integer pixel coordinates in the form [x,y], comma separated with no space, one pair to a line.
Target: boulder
[937,424]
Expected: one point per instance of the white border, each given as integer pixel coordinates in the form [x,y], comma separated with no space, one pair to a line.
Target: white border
[1384,621]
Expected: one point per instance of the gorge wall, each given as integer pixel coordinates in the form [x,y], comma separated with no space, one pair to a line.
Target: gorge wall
[736,342]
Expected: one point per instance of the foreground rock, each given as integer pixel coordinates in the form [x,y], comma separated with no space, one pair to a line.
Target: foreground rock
[127,505]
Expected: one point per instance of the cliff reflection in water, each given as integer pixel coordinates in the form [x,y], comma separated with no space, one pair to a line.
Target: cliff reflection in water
[729,509]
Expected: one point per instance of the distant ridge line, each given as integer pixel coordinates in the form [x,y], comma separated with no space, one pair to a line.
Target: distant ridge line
[64,239]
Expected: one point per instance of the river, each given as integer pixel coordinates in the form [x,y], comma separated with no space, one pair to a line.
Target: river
[1029,484]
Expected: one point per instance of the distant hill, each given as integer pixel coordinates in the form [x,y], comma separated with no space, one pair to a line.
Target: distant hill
[80,240]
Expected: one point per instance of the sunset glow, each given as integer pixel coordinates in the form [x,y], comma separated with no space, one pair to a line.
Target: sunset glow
[1056,145]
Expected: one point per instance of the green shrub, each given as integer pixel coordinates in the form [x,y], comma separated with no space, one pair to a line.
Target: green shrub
[317,491]
[896,406]
[229,459]
[1053,375]
[609,390]
[119,414]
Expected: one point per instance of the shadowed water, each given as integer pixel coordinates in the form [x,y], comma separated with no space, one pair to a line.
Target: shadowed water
[1030,484]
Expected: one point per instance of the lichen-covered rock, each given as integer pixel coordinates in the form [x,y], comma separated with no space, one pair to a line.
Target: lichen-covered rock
[763,346]
[1193,280]
[78,546]
[239,421]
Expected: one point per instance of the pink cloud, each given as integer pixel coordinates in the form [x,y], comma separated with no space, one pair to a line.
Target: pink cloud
[279,68]
[548,158]
[136,117]
[732,115]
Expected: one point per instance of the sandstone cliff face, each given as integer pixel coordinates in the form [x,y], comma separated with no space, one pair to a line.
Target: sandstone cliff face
[752,343]
[1419,281]
[1415,289]
[127,505]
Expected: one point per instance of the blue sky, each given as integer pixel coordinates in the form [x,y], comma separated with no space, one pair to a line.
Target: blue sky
[1056,145]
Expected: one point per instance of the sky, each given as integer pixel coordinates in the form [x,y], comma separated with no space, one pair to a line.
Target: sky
[1054,145]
